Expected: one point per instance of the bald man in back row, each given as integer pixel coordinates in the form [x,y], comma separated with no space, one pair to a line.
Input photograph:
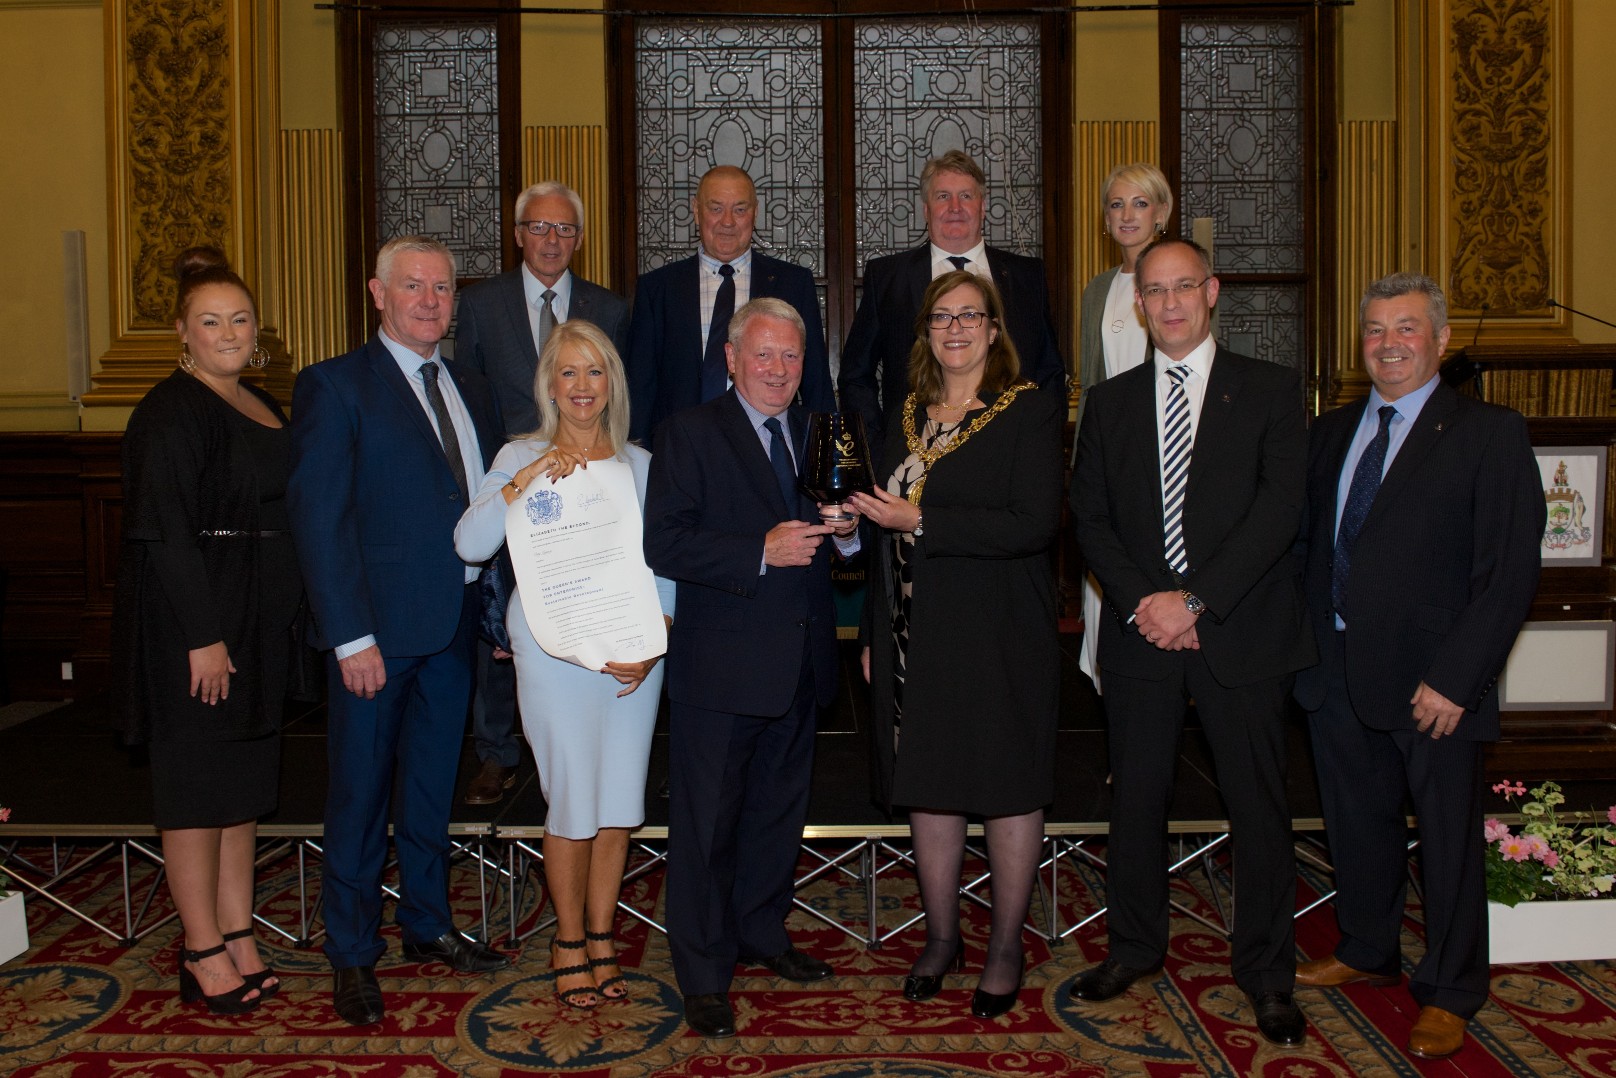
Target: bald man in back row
[682,310]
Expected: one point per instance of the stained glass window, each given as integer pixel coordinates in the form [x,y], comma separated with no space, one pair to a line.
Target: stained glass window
[437,137]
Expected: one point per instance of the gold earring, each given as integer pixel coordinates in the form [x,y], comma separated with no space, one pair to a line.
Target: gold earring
[259,358]
[187,361]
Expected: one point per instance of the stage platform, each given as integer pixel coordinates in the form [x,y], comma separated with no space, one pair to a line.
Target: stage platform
[77,792]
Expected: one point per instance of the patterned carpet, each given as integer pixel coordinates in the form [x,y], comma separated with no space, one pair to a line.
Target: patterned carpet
[79,1005]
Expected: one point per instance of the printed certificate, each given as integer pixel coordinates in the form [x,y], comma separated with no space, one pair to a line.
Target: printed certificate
[588,595]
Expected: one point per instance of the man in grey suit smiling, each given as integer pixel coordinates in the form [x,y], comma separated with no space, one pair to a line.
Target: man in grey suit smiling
[504,322]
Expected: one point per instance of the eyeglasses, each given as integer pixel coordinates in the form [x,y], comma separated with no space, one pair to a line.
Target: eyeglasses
[968,319]
[1182,288]
[542,228]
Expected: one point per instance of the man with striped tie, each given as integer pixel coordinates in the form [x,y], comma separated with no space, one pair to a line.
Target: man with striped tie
[1187,496]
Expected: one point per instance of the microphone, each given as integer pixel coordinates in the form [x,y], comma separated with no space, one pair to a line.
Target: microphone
[1485,307]
[1584,314]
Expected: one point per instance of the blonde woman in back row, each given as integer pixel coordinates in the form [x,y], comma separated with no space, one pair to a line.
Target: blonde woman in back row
[1135,207]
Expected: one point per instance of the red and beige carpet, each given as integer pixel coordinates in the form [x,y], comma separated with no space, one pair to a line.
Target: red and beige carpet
[78,1005]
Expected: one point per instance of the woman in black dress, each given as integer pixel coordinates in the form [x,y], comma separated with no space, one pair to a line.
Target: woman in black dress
[208,590]
[963,659]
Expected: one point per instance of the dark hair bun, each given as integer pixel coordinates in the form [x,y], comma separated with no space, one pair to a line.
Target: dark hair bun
[195,260]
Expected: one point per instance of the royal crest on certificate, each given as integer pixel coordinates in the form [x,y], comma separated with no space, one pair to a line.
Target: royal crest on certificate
[588,595]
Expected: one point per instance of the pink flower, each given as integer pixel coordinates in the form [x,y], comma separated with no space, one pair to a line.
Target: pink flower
[1611,815]
[1493,830]
[1550,859]
[5,815]
[1501,787]
[1535,846]
[1514,848]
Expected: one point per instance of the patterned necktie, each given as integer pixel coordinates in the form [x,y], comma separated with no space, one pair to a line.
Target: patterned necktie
[960,261]
[1176,447]
[780,461]
[446,430]
[1360,496]
[547,319]
[714,371]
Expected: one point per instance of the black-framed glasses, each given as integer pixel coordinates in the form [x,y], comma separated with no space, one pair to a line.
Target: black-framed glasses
[968,319]
[542,228]
[1182,288]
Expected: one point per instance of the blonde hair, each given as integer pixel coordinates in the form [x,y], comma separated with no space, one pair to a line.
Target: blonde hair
[585,337]
[1148,178]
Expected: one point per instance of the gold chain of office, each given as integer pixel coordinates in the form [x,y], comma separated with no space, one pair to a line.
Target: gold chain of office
[928,457]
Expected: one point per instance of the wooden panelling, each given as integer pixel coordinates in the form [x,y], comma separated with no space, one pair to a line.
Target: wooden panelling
[315,322]
[1366,240]
[1101,146]
[576,156]
[59,503]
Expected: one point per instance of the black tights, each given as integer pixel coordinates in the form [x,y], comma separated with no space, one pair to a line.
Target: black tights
[1014,846]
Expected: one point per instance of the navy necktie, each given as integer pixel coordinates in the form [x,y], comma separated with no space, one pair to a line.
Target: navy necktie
[780,461]
[446,430]
[714,371]
[960,261]
[1360,496]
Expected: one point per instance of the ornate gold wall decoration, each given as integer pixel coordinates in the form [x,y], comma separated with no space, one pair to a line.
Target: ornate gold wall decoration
[1498,92]
[182,160]
[177,75]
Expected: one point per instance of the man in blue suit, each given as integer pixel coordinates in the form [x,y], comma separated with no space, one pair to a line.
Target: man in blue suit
[504,322]
[751,659]
[388,441]
[682,310]
[875,362]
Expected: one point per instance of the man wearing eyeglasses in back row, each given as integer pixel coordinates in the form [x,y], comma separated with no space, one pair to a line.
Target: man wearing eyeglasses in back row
[1187,497]
[504,323]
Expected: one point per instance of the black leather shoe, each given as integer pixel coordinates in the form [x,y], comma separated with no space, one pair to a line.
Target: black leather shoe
[458,953]
[992,1004]
[1278,1019]
[1108,980]
[710,1015]
[793,965]
[919,987]
[357,995]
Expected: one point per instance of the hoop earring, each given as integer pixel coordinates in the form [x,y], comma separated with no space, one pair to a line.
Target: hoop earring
[259,358]
[187,361]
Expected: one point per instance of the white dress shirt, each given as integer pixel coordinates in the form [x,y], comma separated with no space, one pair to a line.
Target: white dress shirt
[533,293]
[978,263]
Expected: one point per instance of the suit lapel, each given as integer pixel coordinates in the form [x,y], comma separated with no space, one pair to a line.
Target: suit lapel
[482,422]
[1222,396]
[1422,439]
[514,301]
[1333,457]
[748,449]
[387,371]
[1137,422]
[917,277]
[685,294]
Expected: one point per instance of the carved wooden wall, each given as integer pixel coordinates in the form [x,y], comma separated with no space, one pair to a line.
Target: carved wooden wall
[576,156]
[183,160]
[1366,243]
[1498,92]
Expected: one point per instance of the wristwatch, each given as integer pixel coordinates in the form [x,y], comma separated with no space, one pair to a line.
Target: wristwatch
[1192,604]
[920,524]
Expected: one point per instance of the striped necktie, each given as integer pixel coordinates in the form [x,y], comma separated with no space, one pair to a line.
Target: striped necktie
[1176,446]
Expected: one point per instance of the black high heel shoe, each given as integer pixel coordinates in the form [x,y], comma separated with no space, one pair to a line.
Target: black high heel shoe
[256,979]
[993,1004]
[919,987]
[231,1002]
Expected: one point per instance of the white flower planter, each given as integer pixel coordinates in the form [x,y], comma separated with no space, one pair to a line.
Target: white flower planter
[1566,930]
[13,927]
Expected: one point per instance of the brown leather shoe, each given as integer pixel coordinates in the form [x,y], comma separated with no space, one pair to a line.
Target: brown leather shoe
[490,784]
[1333,973]
[1437,1035]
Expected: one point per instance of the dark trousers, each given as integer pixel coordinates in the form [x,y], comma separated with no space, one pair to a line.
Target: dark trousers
[1246,728]
[409,733]
[1364,775]
[493,709]
[737,802]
